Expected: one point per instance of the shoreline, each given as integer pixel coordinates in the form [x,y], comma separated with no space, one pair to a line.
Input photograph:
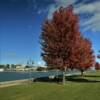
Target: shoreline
[15,82]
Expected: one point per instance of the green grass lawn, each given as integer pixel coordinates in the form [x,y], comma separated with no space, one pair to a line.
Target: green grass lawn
[75,89]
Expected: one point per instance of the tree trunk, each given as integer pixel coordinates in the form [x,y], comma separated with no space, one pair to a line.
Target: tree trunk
[64,78]
[82,73]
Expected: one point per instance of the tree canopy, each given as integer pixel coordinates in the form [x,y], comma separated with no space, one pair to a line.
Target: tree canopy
[63,46]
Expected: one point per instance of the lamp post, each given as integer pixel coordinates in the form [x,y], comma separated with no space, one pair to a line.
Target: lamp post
[30,63]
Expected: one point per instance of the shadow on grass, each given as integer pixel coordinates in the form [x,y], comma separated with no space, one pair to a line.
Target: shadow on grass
[91,75]
[46,79]
[75,78]
[82,80]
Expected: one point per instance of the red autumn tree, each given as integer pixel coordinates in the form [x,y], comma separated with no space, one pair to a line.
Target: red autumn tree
[83,57]
[62,44]
[58,35]
[97,66]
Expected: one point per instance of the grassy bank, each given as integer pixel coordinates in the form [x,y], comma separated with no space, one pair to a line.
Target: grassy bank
[76,88]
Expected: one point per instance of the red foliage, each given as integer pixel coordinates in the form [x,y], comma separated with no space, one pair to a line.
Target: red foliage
[97,66]
[62,44]
[83,56]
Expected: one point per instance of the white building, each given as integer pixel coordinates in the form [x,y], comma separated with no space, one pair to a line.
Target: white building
[20,67]
[1,69]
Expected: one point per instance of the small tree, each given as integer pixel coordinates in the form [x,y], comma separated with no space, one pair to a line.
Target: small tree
[98,56]
[97,66]
[41,69]
[2,66]
[83,57]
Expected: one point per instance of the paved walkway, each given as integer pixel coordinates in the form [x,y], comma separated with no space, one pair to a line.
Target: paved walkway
[12,83]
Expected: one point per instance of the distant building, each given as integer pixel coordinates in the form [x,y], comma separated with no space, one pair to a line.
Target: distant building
[25,68]
[20,68]
[1,69]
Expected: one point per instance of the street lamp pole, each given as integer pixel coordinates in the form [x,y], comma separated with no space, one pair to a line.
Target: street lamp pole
[30,64]
[29,69]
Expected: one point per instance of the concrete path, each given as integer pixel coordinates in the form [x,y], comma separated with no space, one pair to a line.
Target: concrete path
[12,83]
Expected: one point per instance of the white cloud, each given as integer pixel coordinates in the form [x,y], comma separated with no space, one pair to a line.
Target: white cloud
[52,8]
[58,4]
[92,7]
[85,8]
[92,23]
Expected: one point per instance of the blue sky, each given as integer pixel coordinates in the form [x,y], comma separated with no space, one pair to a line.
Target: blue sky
[21,21]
